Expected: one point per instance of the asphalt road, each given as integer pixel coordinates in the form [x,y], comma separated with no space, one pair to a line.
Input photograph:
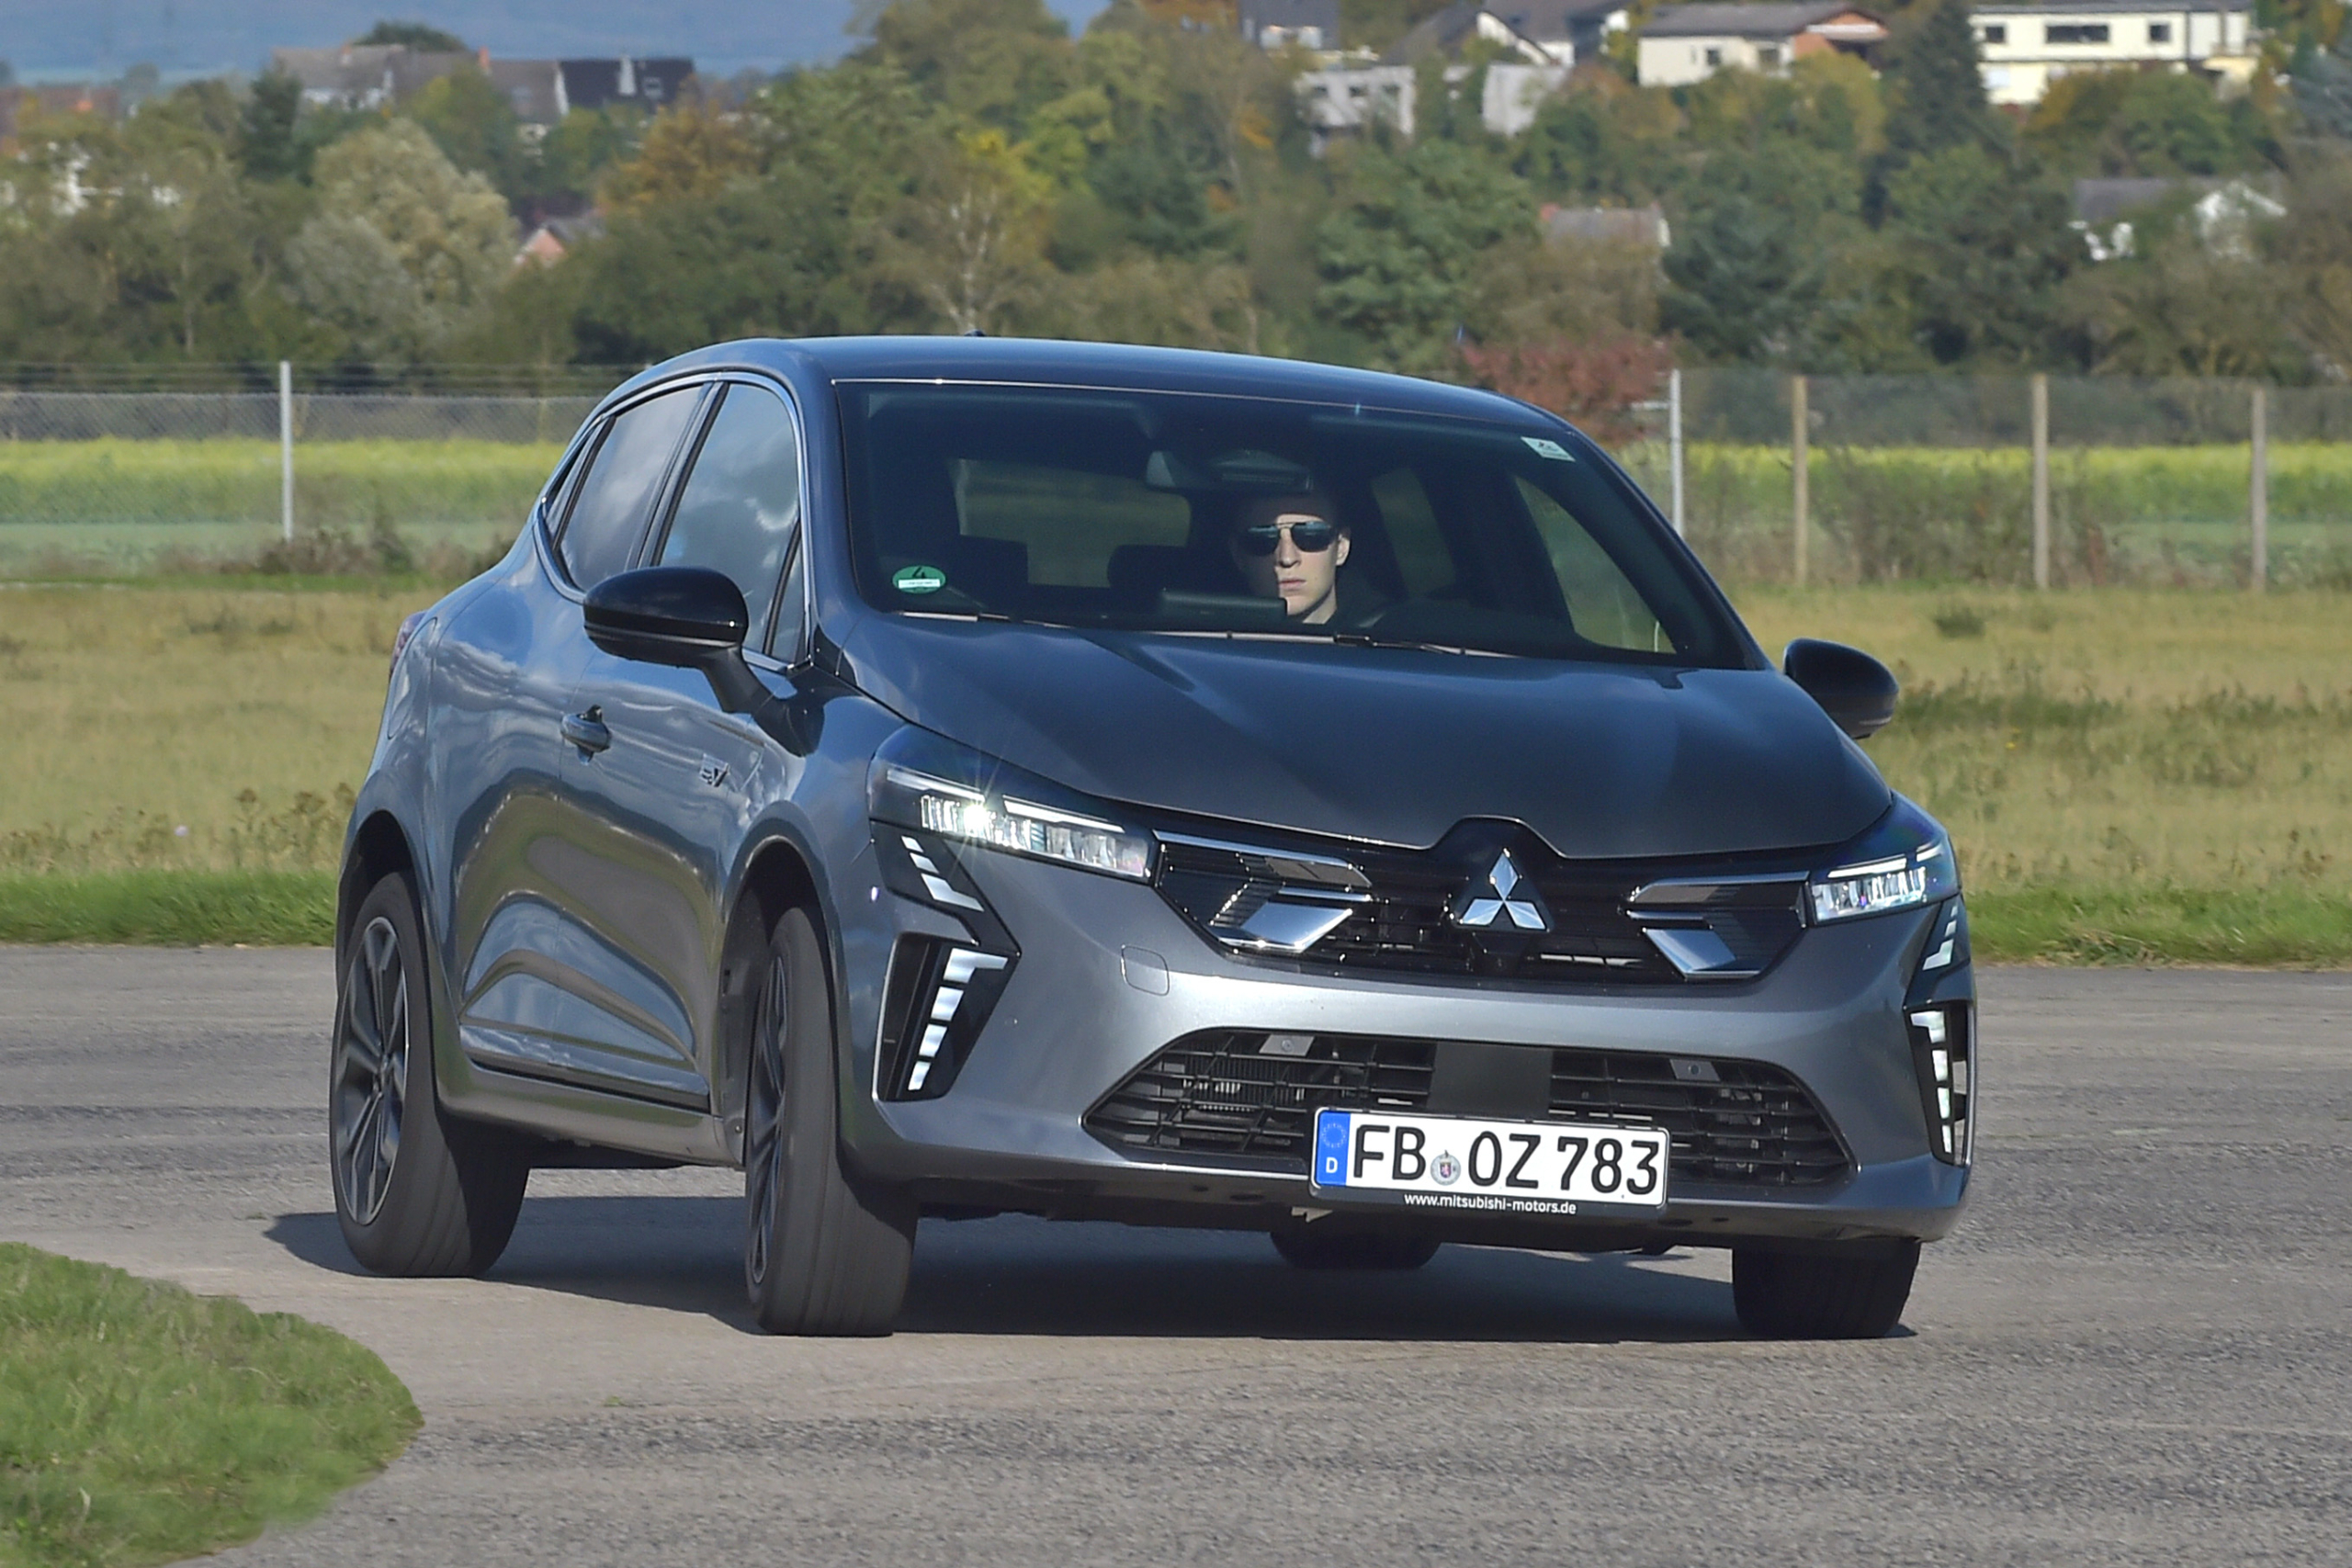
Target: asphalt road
[2135,1350]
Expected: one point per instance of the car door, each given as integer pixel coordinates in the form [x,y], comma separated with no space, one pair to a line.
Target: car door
[534,993]
[668,803]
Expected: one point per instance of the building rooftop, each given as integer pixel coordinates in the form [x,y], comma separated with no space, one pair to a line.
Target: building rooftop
[2113,8]
[1715,19]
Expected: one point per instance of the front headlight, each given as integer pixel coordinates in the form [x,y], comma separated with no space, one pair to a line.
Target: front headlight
[1902,862]
[924,781]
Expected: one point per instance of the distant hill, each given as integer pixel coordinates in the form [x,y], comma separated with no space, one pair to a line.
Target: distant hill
[105,37]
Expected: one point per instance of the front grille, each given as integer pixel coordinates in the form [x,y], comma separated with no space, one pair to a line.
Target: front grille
[1400,914]
[1225,1093]
[1405,926]
[1734,1123]
[1231,1093]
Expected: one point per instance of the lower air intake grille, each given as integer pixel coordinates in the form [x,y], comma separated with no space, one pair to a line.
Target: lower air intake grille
[1230,1092]
[1734,1123]
[1242,1093]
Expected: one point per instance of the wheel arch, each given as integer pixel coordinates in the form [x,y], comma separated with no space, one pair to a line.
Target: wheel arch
[379,846]
[778,875]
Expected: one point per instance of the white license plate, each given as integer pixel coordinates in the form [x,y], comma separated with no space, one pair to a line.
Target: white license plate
[1509,1167]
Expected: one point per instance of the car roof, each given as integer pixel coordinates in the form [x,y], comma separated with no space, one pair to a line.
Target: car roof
[1053,362]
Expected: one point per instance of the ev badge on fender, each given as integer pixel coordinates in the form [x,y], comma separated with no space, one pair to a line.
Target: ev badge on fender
[1501,897]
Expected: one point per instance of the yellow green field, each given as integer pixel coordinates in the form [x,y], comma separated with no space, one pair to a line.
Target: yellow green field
[2129,773]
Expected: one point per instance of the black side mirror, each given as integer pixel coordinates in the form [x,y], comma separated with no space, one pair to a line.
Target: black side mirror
[1856,690]
[689,617]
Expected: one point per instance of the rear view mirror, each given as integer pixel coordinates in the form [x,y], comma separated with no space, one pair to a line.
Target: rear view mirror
[1856,690]
[694,618]
[686,615]
[1243,471]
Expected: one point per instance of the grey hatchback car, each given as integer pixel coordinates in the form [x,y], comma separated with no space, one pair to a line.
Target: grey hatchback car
[957,776]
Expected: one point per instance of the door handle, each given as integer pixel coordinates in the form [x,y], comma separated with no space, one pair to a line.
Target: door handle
[587,730]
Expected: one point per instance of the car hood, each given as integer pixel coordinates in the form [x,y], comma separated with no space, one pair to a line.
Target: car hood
[1391,745]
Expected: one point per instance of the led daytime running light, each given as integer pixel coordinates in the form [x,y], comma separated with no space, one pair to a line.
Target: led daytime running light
[1020,827]
[1873,887]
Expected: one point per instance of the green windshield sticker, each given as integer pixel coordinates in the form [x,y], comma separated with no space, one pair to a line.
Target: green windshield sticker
[1544,448]
[917,579]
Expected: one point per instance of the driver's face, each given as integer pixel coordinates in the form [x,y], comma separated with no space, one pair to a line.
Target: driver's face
[1306,581]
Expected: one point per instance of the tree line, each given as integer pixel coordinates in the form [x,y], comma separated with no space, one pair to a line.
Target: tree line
[972,165]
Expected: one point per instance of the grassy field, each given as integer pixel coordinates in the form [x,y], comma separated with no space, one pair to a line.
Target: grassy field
[140,1424]
[2129,773]
[2155,515]
[88,507]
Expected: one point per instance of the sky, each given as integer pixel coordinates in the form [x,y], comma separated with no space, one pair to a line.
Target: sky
[44,39]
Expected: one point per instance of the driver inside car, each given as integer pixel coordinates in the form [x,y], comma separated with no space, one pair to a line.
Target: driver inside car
[1291,548]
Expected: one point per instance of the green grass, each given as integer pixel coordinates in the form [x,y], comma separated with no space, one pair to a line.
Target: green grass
[140,1424]
[350,483]
[2300,927]
[182,908]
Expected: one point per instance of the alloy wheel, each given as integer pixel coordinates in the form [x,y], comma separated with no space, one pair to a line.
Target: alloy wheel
[370,1085]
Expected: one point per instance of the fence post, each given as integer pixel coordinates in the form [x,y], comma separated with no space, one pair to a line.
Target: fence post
[2040,481]
[285,448]
[1799,434]
[2258,495]
[1674,440]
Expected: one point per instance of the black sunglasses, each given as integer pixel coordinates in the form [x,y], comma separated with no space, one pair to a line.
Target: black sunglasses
[1313,537]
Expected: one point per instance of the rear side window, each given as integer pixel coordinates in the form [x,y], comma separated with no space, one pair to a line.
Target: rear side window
[609,509]
[741,507]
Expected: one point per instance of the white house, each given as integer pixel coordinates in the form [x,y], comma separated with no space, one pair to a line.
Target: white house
[1349,100]
[1682,44]
[1345,102]
[1309,24]
[2026,47]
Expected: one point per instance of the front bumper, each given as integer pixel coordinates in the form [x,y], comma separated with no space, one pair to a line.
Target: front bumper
[1108,975]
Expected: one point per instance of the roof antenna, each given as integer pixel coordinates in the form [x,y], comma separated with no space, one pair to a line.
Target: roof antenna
[973,332]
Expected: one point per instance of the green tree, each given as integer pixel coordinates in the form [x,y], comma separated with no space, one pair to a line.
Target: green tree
[1604,139]
[265,145]
[1398,255]
[1980,255]
[420,36]
[405,252]
[770,256]
[1936,81]
[2144,123]
[2311,253]
[2178,308]
[474,125]
[579,149]
[990,61]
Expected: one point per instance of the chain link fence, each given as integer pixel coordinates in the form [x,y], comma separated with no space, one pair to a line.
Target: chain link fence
[110,481]
[1902,476]
[1934,477]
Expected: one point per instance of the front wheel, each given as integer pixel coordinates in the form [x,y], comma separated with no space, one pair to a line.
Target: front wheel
[416,1192]
[822,1255]
[1788,1295]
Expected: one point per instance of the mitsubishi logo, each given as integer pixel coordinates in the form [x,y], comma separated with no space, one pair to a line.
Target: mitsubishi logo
[1501,899]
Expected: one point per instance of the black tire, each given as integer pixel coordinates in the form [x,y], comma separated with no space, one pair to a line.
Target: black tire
[822,1254]
[1788,1295]
[417,1193]
[1321,1245]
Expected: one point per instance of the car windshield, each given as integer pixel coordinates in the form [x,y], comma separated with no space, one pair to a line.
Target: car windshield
[1175,513]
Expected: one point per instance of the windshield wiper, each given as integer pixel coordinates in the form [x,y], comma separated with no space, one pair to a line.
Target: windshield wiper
[1371,639]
